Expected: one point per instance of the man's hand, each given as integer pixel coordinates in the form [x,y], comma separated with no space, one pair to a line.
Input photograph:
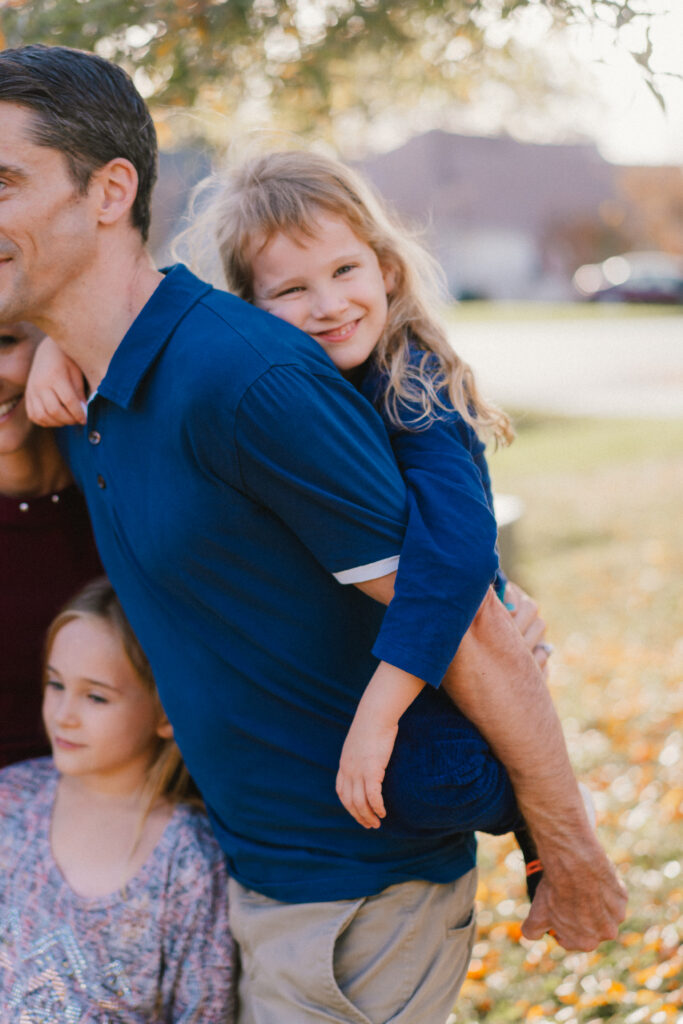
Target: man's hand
[55,395]
[532,627]
[580,900]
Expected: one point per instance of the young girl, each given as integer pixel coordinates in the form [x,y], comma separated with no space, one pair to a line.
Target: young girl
[114,901]
[303,237]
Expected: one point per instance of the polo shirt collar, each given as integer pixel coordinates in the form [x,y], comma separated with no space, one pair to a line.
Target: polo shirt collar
[179,291]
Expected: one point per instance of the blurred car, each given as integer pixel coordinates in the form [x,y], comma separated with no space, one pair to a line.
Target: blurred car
[633,277]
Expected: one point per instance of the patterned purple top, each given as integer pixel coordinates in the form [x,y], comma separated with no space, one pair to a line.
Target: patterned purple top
[157,951]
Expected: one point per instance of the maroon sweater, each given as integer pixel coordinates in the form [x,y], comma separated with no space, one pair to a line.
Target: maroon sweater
[47,553]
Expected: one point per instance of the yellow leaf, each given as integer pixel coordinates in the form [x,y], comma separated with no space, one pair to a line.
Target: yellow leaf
[476,969]
[644,997]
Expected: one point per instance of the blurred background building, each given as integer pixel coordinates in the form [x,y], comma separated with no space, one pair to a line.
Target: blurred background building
[506,219]
[515,220]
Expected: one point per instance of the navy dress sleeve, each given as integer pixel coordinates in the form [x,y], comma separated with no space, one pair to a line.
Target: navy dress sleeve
[449,555]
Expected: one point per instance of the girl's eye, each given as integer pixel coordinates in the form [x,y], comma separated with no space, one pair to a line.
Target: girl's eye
[54,684]
[8,340]
[344,269]
[97,698]
[290,291]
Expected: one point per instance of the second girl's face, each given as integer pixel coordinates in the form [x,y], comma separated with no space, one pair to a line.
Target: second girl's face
[331,286]
[102,722]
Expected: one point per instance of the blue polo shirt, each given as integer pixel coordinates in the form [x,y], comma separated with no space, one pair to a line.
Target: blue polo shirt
[230,473]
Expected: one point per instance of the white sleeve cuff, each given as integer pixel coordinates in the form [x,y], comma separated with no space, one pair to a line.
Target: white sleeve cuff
[372,571]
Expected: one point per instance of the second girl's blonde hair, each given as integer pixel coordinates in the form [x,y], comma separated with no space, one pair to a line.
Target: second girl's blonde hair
[286,191]
[167,777]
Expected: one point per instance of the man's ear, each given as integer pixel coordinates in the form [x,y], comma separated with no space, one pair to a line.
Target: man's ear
[164,728]
[116,185]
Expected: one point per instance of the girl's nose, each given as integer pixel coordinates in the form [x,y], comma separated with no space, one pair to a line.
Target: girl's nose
[66,712]
[329,302]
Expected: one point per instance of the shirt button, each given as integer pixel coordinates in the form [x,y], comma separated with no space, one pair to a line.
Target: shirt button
[101,482]
[94,437]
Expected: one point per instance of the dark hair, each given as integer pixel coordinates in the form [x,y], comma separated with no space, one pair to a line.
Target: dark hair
[88,109]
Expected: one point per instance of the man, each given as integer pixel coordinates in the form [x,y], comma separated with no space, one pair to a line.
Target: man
[231,474]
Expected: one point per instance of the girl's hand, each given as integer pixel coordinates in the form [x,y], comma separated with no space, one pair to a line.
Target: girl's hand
[55,394]
[362,765]
[370,740]
[530,624]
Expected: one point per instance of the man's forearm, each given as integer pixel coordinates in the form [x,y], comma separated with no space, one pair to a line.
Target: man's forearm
[497,684]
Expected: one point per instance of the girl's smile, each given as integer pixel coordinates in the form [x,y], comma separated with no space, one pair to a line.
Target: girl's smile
[66,744]
[338,334]
[7,407]
[331,286]
[17,345]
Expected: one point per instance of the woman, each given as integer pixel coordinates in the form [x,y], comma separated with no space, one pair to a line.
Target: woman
[47,550]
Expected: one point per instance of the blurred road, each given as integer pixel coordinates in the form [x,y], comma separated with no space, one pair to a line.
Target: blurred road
[616,366]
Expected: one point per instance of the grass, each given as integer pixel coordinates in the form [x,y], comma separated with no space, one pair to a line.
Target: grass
[600,545]
[557,446]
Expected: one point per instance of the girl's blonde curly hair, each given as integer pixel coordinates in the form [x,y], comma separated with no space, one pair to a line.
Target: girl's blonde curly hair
[286,191]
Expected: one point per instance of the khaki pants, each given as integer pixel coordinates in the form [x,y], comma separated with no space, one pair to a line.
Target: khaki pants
[398,956]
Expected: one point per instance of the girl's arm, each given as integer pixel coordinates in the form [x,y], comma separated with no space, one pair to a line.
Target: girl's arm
[448,557]
[496,683]
[55,394]
[448,561]
[372,734]
[370,741]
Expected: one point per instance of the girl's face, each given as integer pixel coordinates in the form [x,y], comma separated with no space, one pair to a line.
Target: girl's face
[17,345]
[102,722]
[330,286]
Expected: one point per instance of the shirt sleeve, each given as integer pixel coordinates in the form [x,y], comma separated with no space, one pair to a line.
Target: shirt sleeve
[449,556]
[198,981]
[315,453]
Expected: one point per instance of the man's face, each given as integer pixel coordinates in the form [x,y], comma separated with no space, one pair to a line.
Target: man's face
[47,228]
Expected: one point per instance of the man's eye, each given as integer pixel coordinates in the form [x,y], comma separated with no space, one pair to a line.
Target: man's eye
[290,291]
[8,340]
